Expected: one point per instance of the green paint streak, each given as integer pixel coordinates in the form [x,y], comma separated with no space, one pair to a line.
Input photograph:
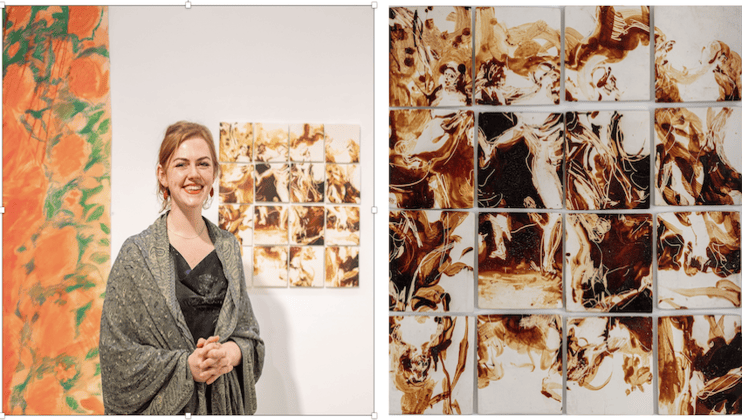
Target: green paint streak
[50,57]
[29,128]
[21,387]
[59,26]
[82,245]
[95,156]
[87,193]
[104,126]
[73,287]
[37,114]
[96,214]
[100,20]
[67,360]
[11,39]
[92,353]
[105,228]
[53,201]
[30,266]
[38,52]
[66,222]
[82,284]
[99,257]
[100,50]
[92,138]
[92,121]
[67,385]
[80,313]
[67,110]
[71,402]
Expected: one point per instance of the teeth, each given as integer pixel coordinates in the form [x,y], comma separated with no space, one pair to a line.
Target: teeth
[193,188]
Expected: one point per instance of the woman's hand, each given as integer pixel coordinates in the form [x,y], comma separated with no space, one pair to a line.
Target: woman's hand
[212,359]
[234,354]
[208,361]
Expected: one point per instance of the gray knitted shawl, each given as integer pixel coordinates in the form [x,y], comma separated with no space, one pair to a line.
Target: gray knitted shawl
[145,342]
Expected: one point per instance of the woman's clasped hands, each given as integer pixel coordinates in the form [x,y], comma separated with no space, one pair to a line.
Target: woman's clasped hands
[211,359]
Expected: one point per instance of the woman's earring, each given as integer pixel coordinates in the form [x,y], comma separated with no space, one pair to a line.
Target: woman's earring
[209,200]
[166,194]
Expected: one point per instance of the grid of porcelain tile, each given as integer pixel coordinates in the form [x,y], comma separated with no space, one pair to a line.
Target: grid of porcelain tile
[290,193]
[570,172]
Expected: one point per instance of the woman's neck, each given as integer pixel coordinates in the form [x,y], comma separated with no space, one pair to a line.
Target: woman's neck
[185,223]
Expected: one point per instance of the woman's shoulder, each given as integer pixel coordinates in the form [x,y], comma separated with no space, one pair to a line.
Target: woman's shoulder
[139,242]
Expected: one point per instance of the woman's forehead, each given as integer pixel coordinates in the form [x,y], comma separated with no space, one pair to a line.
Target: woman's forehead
[194,147]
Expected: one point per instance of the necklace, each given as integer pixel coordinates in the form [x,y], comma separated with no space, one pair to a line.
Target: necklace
[188,237]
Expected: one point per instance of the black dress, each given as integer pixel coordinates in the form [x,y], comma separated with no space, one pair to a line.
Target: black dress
[200,292]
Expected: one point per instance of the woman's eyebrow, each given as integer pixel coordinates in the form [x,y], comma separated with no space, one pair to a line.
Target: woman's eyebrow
[186,159]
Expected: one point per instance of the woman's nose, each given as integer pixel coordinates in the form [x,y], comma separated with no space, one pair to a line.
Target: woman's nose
[192,171]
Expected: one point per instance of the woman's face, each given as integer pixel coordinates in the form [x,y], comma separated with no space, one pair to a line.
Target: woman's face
[189,174]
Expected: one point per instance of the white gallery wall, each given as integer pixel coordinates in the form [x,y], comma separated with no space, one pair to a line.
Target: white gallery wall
[256,64]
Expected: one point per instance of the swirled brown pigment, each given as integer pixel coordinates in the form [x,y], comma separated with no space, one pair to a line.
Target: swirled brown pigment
[517,57]
[270,225]
[520,260]
[609,365]
[307,225]
[607,160]
[519,364]
[431,155]
[237,220]
[343,183]
[431,260]
[520,160]
[606,53]
[429,56]
[697,159]
[236,182]
[342,225]
[306,266]
[341,266]
[270,266]
[307,184]
[428,365]
[272,182]
[342,143]
[271,142]
[235,142]
[697,54]
[609,262]
[698,259]
[700,364]
[306,142]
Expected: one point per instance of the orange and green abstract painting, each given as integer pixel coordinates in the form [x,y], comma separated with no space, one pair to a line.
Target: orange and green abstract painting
[56,194]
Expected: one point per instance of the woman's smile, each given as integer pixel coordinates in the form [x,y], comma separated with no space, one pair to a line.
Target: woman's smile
[193,189]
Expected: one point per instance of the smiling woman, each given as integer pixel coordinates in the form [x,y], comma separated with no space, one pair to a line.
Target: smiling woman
[198,64]
[178,334]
